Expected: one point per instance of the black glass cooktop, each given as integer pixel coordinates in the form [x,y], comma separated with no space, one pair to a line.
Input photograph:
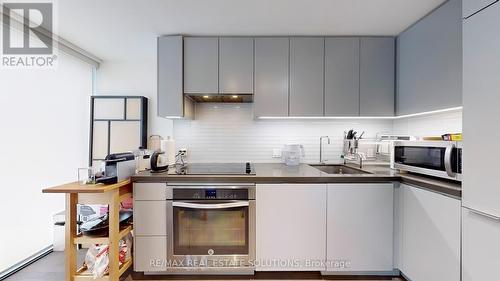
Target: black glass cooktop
[216,169]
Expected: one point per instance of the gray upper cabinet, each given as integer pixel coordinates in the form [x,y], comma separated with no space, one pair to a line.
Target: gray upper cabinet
[470,7]
[170,93]
[235,65]
[429,62]
[306,76]
[377,74]
[201,61]
[342,76]
[271,76]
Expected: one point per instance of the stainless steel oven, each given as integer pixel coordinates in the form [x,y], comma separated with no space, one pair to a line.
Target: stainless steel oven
[211,228]
[435,158]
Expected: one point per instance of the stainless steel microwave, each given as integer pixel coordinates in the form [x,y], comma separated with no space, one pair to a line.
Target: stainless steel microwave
[434,158]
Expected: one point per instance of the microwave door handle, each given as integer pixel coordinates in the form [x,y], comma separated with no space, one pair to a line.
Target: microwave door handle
[211,206]
[447,160]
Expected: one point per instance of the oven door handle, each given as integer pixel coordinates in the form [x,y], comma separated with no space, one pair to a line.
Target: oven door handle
[447,160]
[211,206]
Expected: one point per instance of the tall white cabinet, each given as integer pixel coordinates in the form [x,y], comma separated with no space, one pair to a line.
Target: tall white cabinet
[291,226]
[481,95]
[481,90]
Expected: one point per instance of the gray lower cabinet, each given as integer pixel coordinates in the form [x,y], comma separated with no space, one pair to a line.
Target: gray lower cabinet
[342,76]
[430,62]
[377,74]
[306,76]
[360,228]
[430,236]
[236,65]
[271,76]
[150,229]
[150,253]
[148,224]
[470,7]
[201,60]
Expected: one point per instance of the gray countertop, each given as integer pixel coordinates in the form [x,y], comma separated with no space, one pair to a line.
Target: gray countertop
[280,173]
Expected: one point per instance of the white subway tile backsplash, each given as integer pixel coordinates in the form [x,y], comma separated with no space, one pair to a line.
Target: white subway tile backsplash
[228,133]
[430,125]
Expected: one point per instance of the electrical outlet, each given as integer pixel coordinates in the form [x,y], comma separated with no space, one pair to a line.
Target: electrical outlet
[183,152]
[276,152]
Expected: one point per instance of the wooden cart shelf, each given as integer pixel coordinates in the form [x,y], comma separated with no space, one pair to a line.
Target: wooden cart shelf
[83,274]
[110,195]
[82,239]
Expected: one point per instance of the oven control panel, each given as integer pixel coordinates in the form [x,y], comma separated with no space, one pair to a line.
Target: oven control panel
[210,194]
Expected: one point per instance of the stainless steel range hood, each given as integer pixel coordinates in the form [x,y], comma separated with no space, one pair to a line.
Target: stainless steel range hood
[224,98]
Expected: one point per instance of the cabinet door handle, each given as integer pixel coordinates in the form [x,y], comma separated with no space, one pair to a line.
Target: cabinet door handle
[483,214]
[211,206]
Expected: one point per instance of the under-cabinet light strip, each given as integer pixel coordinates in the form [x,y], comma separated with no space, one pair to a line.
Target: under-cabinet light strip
[361,117]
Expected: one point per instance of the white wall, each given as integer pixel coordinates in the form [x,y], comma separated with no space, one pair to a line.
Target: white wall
[430,125]
[135,78]
[44,120]
[228,133]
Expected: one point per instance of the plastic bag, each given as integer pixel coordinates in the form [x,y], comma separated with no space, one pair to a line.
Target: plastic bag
[97,260]
[97,257]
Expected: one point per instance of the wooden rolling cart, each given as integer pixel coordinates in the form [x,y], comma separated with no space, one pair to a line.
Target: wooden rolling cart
[110,195]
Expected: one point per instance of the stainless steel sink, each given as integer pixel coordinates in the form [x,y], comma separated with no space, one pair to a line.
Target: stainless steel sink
[338,169]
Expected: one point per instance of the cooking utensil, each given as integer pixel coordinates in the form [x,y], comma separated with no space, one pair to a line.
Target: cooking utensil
[99,226]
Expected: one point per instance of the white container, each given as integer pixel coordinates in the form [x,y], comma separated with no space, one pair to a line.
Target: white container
[168,147]
[58,243]
[292,154]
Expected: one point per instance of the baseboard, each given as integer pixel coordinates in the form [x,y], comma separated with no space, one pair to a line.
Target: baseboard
[269,275]
[24,263]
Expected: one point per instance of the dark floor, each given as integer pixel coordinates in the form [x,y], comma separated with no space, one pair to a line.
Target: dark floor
[51,268]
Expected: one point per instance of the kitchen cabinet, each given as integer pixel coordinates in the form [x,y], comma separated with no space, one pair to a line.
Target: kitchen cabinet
[170,90]
[150,227]
[271,76]
[469,7]
[377,74]
[480,246]
[430,62]
[431,235]
[290,226]
[170,76]
[306,76]
[481,58]
[150,218]
[150,253]
[342,76]
[360,227]
[201,65]
[150,191]
[236,65]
